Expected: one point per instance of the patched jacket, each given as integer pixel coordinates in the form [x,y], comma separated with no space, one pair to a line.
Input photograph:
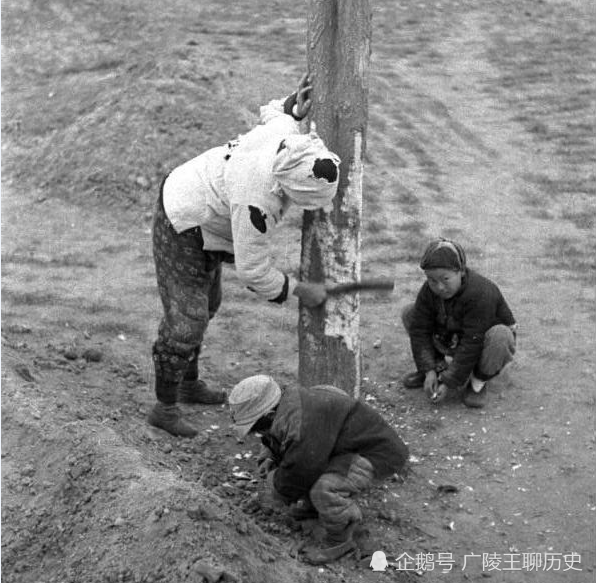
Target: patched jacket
[458,323]
[320,429]
[231,193]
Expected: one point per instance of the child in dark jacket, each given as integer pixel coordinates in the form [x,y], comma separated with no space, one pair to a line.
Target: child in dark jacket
[321,449]
[462,315]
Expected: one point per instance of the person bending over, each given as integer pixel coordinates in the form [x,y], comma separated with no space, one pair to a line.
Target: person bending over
[223,206]
[320,450]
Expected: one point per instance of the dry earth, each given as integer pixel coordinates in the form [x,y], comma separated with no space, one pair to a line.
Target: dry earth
[481,128]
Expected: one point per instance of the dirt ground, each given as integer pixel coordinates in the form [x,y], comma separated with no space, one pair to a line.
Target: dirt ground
[481,128]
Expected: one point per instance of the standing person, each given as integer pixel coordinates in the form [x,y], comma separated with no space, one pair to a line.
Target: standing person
[222,206]
[322,448]
[460,314]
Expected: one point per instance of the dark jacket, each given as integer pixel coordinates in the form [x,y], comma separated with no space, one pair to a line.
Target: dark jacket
[459,322]
[320,429]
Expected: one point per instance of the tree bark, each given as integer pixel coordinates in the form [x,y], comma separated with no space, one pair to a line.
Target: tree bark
[338,48]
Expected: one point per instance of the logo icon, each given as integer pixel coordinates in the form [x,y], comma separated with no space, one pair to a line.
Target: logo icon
[378,561]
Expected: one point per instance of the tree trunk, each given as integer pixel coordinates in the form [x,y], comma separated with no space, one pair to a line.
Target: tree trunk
[339,34]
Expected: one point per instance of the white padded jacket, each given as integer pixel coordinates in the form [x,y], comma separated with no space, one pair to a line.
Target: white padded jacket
[233,193]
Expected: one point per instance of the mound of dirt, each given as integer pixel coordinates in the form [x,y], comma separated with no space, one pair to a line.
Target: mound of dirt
[81,504]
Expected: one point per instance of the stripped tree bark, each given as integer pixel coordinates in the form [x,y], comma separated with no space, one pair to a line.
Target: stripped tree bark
[338,48]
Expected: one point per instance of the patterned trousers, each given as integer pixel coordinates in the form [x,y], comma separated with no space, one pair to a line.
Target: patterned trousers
[189,283]
[333,495]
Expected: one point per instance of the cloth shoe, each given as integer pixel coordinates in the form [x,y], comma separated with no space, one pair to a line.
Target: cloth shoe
[333,548]
[196,391]
[473,399]
[414,380]
[169,418]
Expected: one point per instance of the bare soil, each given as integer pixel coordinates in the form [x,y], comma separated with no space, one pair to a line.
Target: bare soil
[481,128]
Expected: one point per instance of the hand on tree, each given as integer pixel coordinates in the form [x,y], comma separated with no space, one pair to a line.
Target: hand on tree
[303,101]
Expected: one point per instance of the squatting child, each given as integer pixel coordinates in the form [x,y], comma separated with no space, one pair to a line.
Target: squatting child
[461,315]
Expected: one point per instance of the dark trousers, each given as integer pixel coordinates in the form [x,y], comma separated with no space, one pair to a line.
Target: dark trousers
[189,283]
[498,349]
[334,495]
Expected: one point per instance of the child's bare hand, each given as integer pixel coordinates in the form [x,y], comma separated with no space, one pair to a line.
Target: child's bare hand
[266,466]
[431,382]
[439,394]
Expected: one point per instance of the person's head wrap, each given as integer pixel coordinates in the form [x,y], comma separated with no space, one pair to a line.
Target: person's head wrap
[444,254]
[251,399]
[307,171]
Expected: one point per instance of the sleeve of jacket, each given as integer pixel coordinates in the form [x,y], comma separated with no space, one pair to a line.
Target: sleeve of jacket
[504,312]
[421,331]
[477,320]
[277,114]
[303,463]
[251,228]
[306,453]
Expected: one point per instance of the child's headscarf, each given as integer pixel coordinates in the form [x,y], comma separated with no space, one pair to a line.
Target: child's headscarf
[444,254]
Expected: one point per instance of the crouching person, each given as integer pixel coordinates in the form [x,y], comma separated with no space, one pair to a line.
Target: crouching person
[462,315]
[323,449]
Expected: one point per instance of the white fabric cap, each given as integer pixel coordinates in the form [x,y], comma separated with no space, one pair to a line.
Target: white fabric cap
[250,399]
